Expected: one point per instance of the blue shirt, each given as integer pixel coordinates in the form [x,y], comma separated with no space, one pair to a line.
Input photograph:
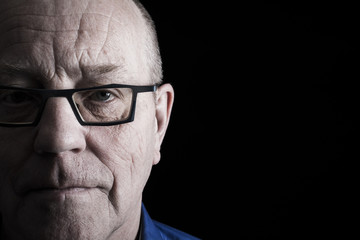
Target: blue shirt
[153,230]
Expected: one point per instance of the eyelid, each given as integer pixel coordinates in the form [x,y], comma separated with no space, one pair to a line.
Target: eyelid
[89,93]
[120,93]
[114,91]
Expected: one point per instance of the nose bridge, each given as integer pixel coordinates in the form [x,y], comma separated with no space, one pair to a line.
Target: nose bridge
[55,108]
[59,129]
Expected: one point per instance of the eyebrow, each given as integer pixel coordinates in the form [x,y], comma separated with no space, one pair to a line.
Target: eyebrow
[101,74]
[101,70]
[6,68]
[12,69]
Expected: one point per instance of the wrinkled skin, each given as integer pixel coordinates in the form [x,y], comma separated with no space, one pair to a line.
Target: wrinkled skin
[61,180]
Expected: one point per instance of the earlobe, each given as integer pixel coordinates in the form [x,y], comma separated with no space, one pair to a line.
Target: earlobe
[164,103]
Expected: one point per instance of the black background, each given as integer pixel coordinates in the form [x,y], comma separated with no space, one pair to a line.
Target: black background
[263,140]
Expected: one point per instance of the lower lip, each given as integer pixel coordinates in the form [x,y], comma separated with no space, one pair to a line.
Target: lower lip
[59,194]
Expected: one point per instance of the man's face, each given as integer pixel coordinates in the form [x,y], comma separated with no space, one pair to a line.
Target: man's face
[62,180]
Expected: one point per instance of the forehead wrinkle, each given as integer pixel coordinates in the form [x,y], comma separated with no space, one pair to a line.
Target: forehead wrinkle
[56,18]
[94,75]
[70,39]
[62,16]
[41,7]
[87,22]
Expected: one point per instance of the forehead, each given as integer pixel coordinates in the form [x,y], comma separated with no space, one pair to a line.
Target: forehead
[70,35]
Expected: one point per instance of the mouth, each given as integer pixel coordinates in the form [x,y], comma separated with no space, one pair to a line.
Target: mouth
[60,190]
[59,193]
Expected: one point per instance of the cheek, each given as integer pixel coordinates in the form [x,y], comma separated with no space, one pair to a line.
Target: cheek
[125,148]
[16,146]
[127,151]
[130,148]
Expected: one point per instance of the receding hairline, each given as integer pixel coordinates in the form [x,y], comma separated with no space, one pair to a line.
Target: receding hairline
[153,49]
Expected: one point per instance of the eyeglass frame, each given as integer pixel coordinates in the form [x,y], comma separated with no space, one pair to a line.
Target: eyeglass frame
[68,93]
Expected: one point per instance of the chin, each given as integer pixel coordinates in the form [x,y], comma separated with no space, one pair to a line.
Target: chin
[63,216]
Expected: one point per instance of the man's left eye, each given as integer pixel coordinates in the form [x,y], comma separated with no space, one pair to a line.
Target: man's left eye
[102,96]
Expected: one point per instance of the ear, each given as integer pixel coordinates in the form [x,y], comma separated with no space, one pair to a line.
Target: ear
[164,103]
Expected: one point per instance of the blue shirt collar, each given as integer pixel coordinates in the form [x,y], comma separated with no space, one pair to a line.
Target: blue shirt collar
[148,228]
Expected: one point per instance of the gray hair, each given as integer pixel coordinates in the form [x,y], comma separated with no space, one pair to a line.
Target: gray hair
[152,46]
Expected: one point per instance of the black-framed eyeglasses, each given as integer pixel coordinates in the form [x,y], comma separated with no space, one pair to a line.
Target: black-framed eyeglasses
[97,106]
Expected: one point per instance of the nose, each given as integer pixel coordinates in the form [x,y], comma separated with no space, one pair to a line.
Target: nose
[58,130]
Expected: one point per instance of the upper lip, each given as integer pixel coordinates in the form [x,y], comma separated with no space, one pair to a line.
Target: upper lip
[57,174]
[24,185]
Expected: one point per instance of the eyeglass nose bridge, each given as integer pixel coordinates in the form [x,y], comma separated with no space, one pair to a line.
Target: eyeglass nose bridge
[58,94]
[68,94]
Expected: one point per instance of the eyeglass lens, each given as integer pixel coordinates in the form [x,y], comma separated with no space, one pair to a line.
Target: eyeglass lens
[103,105]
